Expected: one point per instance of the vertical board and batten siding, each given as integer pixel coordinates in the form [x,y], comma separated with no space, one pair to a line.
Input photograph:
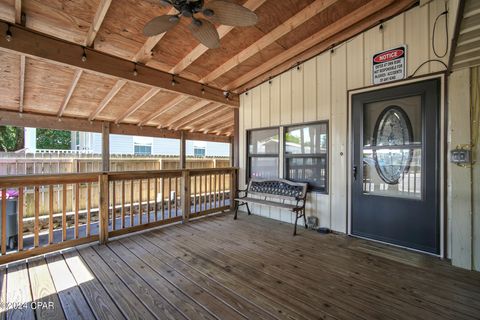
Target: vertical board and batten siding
[317,90]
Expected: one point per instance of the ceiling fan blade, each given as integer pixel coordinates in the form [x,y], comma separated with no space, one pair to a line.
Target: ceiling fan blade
[230,14]
[160,25]
[205,32]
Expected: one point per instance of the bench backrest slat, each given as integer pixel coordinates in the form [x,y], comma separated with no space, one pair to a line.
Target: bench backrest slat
[277,188]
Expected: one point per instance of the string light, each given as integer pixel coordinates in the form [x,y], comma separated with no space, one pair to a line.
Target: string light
[84,55]
[270,80]
[135,71]
[174,82]
[8,35]
[332,49]
[203,90]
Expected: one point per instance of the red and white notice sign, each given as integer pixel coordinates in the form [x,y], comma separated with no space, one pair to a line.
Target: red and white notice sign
[389,65]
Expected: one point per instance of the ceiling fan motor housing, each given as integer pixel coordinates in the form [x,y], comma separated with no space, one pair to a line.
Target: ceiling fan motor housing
[188,7]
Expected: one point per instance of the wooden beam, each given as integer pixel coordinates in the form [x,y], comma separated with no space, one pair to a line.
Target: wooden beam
[34,120]
[68,96]
[38,45]
[169,105]
[105,147]
[183,151]
[219,120]
[97,21]
[18,11]
[223,127]
[456,34]
[211,115]
[22,83]
[115,89]
[291,24]
[138,104]
[198,115]
[199,105]
[199,50]
[145,52]
[341,30]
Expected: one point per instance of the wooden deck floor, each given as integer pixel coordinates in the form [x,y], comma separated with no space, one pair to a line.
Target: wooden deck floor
[217,268]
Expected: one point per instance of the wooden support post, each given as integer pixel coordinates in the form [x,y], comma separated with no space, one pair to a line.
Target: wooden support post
[185,195]
[236,139]
[105,147]
[233,188]
[103,213]
[183,157]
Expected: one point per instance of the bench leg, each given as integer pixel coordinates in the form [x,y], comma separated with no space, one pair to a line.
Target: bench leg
[236,210]
[296,219]
[305,219]
[248,209]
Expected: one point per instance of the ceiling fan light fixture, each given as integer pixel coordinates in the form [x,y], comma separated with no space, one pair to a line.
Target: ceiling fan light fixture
[197,22]
[173,19]
[208,12]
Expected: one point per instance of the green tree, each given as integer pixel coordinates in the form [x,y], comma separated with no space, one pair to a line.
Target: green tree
[53,139]
[11,138]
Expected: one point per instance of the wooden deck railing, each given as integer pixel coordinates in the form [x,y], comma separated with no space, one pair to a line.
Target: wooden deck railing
[103,205]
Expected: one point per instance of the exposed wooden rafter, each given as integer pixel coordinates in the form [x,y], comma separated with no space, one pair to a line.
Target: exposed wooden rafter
[298,19]
[220,129]
[18,11]
[97,21]
[222,119]
[199,105]
[214,115]
[117,87]
[199,50]
[197,115]
[341,30]
[22,83]
[145,52]
[164,108]
[71,89]
[138,104]
[58,51]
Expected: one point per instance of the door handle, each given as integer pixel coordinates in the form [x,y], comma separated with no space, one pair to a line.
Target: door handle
[354,173]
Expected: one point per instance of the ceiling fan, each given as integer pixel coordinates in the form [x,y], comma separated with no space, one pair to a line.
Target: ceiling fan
[217,11]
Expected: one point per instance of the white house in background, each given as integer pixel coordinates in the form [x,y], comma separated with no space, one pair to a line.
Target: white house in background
[121,144]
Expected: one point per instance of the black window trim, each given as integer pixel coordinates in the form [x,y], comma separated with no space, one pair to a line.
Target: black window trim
[315,155]
[264,155]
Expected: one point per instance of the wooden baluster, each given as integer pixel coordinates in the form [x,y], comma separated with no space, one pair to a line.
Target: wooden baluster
[140,209]
[200,201]
[155,191]
[214,190]
[131,204]
[162,203]
[195,194]
[224,188]
[114,213]
[169,198]
[123,204]
[89,208]
[103,185]
[205,194]
[36,228]
[64,212]
[233,190]
[50,216]
[20,218]
[176,197]
[77,196]
[185,195]
[4,221]
[148,200]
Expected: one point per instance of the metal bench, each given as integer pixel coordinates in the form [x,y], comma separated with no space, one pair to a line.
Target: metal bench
[278,191]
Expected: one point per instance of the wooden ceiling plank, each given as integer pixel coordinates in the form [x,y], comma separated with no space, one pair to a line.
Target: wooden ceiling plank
[68,96]
[331,30]
[22,83]
[61,52]
[224,127]
[115,89]
[199,105]
[138,104]
[168,106]
[200,120]
[18,11]
[199,115]
[100,14]
[223,30]
[145,52]
[212,126]
[298,19]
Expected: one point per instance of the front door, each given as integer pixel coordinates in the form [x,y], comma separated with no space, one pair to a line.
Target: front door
[395,166]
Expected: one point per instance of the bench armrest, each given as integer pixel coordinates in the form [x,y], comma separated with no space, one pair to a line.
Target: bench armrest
[300,202]
[245,191]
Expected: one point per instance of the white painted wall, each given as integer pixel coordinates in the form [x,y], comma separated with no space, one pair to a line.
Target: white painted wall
[318,91]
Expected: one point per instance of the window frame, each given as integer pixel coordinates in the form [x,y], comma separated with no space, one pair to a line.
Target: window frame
[142,145]
[266,155]
[325,156]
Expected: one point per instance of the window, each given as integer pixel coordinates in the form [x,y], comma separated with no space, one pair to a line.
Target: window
[142,150]
[263,149]
[306,154]
[199,152]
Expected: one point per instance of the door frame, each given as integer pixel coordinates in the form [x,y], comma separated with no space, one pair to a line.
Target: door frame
[442,155]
